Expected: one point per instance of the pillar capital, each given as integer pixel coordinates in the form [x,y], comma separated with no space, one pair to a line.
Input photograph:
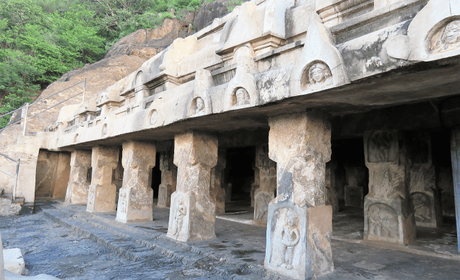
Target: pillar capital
[194,147]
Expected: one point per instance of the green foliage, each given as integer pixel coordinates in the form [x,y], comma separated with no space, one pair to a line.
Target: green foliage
[233,4]
[42,39]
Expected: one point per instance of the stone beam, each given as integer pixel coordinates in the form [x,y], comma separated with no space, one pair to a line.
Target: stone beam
[193,211]
[299,225]
[80,168]
[102,192]
[388,211]
[135,200]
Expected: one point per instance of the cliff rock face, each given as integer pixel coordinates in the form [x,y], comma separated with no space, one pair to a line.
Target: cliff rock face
[147,43]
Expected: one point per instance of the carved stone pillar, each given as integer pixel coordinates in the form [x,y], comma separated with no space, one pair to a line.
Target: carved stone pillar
[427,210]
[299,223]
[77,188]
[102,192]
[330,190]
[193,211]
[255,184]
[217,188]
[354,190]
[135,198]
[267,183]
[388,212]
[455,157]
[168,179]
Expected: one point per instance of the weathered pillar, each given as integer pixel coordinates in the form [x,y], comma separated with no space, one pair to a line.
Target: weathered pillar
[388,212]
[330,190]
[354,190]
[425,200]
[217,188]
[77,189]
[102,192]
[267,183]
[455,157]
[135,198]
[299,223]
[193,211]
[255,184]
[168,179]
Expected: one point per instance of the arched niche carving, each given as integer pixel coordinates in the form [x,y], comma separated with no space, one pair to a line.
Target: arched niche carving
[154,116]
[427,37]
[315,76]
[198,107]
[319,65]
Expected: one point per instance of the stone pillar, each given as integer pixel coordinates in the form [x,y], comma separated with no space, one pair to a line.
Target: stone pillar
[135,198]
[427,210]
[299,223]
[455,157]
[102,192]
[168,179]
[354,190]
[217,188]
[388,211]
[77,189]
[193,211]
[255,184]
[267,183]
[330,190]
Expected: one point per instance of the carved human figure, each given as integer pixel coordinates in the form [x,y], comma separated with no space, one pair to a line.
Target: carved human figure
[262,201]
[290,236]
[181,212]
[103,97]
[199,107]
[451,34]
[318,73]
[383,221]
[449,39]
[242,97]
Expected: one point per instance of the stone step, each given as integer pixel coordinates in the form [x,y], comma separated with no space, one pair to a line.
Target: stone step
[135,244]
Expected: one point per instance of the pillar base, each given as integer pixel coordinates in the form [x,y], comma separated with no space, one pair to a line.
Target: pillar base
[388,221]
[299,240]
[135,206]
[187,222]
[101,199]
[164,196]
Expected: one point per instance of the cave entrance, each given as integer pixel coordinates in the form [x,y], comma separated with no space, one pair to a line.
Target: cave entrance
[155,177]
[239,178]
[52,176]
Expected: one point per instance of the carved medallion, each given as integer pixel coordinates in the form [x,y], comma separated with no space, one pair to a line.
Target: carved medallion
[153,117]
[316,76]
[446,38]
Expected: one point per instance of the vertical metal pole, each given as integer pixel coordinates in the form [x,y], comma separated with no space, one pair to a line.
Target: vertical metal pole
[17,177]
[84,90]
[455,157]
[25,120]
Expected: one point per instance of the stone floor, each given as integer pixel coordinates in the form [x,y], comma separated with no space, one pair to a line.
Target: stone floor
[69,243]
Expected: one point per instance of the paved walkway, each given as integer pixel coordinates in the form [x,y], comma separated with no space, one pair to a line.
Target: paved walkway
[68,242]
